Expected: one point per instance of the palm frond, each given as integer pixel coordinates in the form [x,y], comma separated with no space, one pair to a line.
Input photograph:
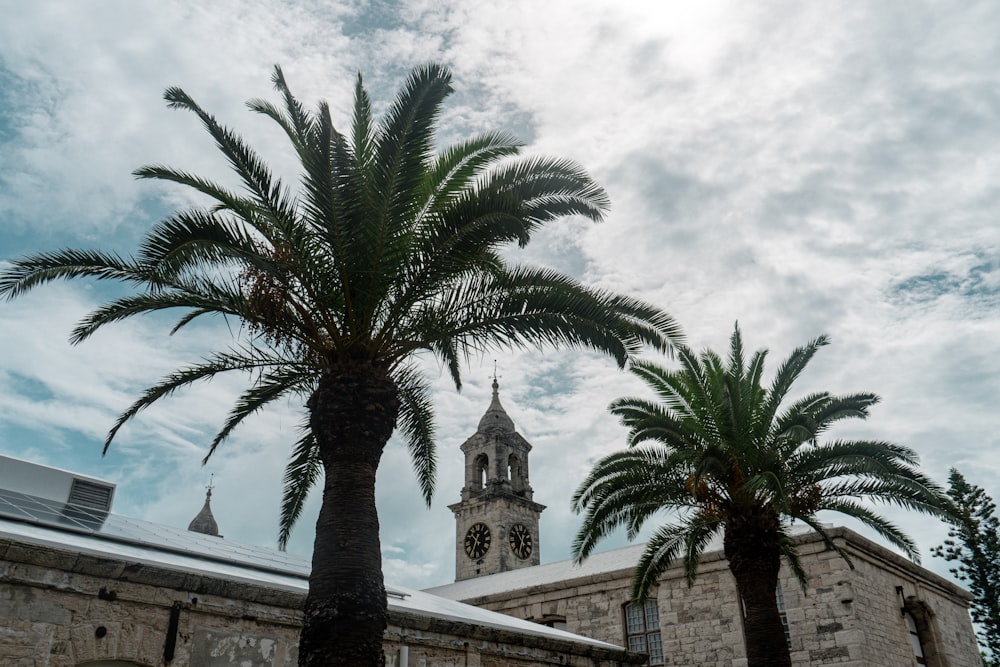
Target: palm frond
[416,421]
[29,272]
[549,188]
[268,191]
[304,469]
[242,359]
[403,149]
[269,386]
[687,539]
[203,301]
[196,240]
[453,171]
[362,135]
[660,553]
[788,371]
[624,489]
[889,531]
[227,199]
[791,556]
[539,307]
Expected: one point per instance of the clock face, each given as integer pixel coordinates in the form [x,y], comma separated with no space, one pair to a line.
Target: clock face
[520,541]
[477,540]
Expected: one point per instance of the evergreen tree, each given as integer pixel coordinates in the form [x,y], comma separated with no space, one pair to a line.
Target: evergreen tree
[974,543]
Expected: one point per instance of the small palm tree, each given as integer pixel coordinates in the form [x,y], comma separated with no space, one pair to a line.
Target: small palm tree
[719,451]
[387,250]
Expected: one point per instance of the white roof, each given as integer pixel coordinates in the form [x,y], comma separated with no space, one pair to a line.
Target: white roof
[624,558]
[25,519]
[615,560]
[435,606]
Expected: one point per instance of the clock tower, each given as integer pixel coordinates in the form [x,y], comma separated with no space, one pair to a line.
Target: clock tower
[497,521]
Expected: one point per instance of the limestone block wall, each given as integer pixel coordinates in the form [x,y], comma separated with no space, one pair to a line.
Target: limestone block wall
[700,625]
[90,609]
[844,617]
[853,617]
[62,609]
[590,606]
[432,642]
[822,621]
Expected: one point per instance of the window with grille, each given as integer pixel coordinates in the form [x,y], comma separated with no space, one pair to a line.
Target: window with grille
[642,630]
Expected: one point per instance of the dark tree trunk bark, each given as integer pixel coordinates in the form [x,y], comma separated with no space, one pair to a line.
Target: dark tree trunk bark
[752,549]
[352,414]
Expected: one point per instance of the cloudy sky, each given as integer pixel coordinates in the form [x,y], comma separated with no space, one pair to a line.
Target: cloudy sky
[802,168]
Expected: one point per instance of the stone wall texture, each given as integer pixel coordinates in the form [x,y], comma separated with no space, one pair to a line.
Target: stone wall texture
[63,609]
[848,617]
[59,608]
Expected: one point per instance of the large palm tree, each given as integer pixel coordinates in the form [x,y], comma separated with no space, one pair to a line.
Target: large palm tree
[721,452]
[387,249]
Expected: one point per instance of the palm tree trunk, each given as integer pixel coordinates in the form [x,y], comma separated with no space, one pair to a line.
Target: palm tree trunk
[754,559]
[352,414]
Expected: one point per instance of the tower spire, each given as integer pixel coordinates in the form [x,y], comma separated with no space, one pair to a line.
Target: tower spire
[496,416]
[204,522]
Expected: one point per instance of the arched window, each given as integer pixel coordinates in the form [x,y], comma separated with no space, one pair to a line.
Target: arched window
[482,470]
[514,472]
[923,632]
[918,647]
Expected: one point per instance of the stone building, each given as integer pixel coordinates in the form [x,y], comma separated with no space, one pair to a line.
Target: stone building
[886,612]
[82,587]
[883,613]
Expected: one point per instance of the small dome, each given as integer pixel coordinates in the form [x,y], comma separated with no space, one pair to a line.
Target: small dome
[496,416]
[205,523]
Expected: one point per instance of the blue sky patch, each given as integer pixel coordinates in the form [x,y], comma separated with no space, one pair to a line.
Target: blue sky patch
[980,282]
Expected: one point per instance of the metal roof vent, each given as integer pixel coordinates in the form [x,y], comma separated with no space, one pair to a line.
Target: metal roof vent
[88,503]
[89,494]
